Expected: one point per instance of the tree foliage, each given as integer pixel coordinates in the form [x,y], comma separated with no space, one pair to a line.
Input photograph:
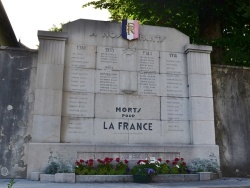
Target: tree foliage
[224,24]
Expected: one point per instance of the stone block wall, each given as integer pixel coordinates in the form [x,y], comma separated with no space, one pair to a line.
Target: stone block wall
[17,79]
[231,89]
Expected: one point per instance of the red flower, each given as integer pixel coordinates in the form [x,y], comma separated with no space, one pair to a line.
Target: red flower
[106,159]
[138,162]
[91,160]
[81,161]
[184,164]
[126,161]
[159,159]
[174,163]
[176,159]
[77,163]
[91,164]
[167,161]
[117,159]
[182,159]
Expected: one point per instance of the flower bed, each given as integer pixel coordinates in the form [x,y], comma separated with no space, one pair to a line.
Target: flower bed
[110,170]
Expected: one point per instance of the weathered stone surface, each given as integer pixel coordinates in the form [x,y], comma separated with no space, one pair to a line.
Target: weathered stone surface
[107,81]
[48,102]
[46,128]
[204,176]
[80,56]
[232,108]
[148,84]
[173,63]
[148,61]
[65,178]
[201,109]
[47,177]
[35,176]
[128,82]
[77,130]
[173,85]
[79,80]
[51,47]
[176,132]
[78,104]
[108,131]
[173,108]
[108,34]
[202,132]
[49,76]
[103,178]
[127,107]
[200,85]
[17,80]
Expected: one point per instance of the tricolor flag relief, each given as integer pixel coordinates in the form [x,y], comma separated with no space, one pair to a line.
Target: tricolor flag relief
[130,29]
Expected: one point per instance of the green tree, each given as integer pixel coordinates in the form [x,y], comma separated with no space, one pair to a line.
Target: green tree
[224,24]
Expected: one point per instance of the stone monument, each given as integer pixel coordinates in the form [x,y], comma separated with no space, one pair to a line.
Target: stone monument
[100,95]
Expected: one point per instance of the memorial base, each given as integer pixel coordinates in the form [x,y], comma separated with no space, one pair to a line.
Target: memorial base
[71,152]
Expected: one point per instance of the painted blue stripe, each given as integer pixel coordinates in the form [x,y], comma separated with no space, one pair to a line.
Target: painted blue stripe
[124,31]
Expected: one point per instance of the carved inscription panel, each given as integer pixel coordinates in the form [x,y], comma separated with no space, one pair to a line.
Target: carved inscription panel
[79,55]
[125,95]
[172,63]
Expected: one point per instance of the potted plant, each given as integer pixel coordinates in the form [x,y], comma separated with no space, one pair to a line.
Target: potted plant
[144,170]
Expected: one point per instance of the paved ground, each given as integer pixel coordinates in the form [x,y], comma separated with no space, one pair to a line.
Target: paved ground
[223,182]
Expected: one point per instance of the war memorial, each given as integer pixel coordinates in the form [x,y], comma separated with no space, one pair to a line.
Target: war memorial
[98,94]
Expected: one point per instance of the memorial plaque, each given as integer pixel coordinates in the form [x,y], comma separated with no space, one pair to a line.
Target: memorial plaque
[80,55]
[172,63]
[148,84]
[148,61]
[80,80]
[174,108]
[107,81]
[127,107]
[78,104]
[177,132]
[76,130]
[175,85]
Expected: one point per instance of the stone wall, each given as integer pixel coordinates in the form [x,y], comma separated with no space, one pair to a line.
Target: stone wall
[17,77]
[231,88]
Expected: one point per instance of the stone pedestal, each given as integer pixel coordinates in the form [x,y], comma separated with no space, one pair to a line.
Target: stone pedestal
[49,83]
[200,94]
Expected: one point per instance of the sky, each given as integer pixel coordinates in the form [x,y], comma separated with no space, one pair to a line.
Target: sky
[29,16]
